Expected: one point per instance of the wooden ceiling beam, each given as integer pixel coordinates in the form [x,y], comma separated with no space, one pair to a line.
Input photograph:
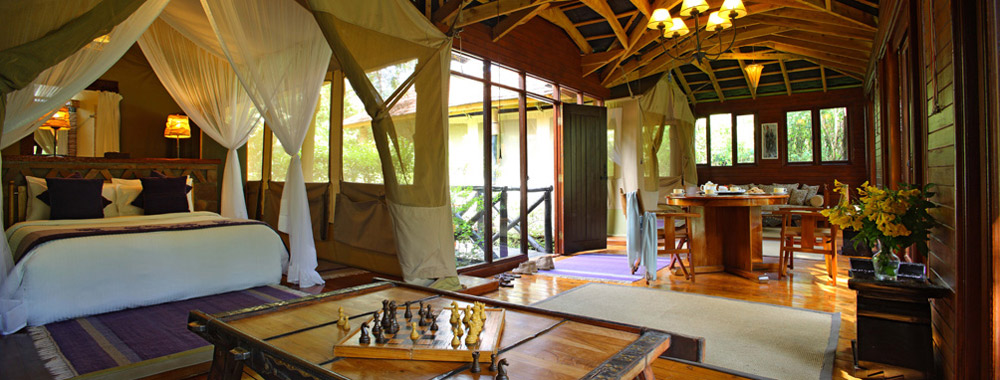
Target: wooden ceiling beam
[751,87]
[844,11]
[826,39]
[442,18]
[595,61]
[600,20]
[815,27]
[656,62]
[822,75]
[602,8]
[643,6]
[684,84]
[784,73]
[751,10]
[557,17]
[514,20]
[756,56]
[707,68]
[819,17]
[839,51]
[494,9]
[821,54]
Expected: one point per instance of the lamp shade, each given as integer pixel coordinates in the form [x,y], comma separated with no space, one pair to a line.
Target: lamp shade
[59,120]
[660,17]
[678,29]
[717,22]
[178,127]
[691,6]
[753,74]
[733,9]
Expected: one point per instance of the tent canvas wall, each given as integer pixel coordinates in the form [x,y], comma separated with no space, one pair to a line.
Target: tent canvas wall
[647,129]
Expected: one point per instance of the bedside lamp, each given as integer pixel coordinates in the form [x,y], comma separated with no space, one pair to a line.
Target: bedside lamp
[59,120]
[178,128]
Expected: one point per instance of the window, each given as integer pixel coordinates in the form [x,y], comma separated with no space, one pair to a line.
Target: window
[798,130]
[255,153]
[700,141]
[833,134]
[663,154]
[315,151]
[360,157]
[745,139]
[721,128]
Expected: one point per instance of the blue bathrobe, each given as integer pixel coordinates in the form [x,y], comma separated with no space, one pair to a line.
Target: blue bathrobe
[640,236]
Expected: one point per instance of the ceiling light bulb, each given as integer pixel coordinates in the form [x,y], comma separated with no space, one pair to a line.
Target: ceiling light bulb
[733,9]
[678,29]
[660,17]
[699,6]
[717,22]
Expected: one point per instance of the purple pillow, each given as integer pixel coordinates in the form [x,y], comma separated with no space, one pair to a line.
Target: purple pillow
[140,203]
[164,195]
[75,198]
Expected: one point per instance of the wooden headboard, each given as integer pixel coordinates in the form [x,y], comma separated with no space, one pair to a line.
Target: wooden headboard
[204,174]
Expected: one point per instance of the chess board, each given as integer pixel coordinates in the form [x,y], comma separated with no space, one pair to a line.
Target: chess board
[432,345]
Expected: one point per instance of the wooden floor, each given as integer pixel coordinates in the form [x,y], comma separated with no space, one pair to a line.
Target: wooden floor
[809,288]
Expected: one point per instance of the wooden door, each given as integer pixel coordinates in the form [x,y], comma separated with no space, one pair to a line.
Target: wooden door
[585,192]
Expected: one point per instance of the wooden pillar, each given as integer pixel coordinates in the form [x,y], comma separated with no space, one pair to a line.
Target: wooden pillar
[891,138]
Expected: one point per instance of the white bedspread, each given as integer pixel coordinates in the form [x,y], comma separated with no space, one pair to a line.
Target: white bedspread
[81,276]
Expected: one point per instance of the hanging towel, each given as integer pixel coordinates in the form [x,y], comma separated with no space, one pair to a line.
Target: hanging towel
[640,236]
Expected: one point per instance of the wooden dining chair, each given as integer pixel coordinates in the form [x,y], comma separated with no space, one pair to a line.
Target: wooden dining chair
[672,232]
[813,235]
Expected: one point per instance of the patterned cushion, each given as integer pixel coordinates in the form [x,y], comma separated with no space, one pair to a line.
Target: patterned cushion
[816,201]
[798,197]
[768,189]
[812,191]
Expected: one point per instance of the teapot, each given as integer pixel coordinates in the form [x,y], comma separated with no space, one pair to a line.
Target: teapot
[709,185]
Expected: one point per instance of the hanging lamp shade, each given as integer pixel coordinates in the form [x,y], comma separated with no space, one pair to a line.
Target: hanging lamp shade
[733,9]
[59,120]
[716,22]
[678,29]
[753,74]
[178,127]
[691,6]
[660,17]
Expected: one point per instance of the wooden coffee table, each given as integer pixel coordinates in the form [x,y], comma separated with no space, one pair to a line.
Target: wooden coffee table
[729,235]
[295,339]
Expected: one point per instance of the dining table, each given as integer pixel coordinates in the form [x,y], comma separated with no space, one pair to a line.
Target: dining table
[729,234]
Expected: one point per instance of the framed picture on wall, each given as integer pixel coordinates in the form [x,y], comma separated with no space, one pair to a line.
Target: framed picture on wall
[769,141]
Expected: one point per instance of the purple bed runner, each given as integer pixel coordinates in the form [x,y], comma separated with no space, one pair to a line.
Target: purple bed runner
[600,266]
[124,337]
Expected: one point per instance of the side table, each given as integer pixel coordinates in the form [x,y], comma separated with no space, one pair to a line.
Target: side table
[894,319]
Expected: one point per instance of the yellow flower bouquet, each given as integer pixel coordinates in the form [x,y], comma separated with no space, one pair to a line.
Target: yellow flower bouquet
[894,219]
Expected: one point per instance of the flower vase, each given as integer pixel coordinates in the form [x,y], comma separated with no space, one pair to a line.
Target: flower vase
[886,265]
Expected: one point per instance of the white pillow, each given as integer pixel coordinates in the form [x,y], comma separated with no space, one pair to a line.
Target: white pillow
[38,210]
[126,207]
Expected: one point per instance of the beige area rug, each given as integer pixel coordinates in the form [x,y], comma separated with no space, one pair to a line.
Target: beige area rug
[743,337]
[773,247]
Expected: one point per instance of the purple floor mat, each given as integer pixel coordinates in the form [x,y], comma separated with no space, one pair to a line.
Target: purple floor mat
[123,337]
[600,266]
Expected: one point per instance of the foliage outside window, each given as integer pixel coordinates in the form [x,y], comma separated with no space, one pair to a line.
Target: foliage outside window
[701,141]
[315,152]
[745,139]
[721,127]
[663,154]
[798,129]
[833,134]
[255,152]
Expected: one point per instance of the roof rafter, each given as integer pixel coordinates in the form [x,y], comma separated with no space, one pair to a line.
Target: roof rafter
[515,19]
[557,17]
[784,73]
[822,75]
[687,88]
[751,87]
[602,8]
[494,9]
[707,68]
[843,11]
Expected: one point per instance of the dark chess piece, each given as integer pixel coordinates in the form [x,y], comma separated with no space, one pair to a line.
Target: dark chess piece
[393,311]
[493,363]
[385,306]
[501,370]
[475,362]
[377,329]
[393,326]
[420,311]
[380,338]
[408,314]
[434,325]
[364,338]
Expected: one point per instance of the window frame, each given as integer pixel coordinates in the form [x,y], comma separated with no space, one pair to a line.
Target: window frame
[734,151]
[817,138]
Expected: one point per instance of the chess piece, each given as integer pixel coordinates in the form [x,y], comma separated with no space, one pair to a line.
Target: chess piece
[475,362]
[393,326]
[493,362]
[454,316]
[379,338]
[501,370]
[393,310]
[377,328]
[385,306]
[472,338]
[414,333]
[364,338]
[420,311]
[455,342]
[347,324]
[434,325]
[459,331]
[341,318]
[428,314]
[408,314]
